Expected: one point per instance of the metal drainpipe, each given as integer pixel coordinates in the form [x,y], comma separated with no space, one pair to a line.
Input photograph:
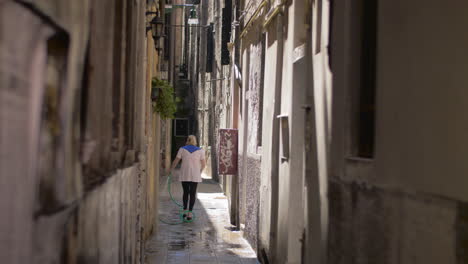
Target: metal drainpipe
[252,18]
[272,14]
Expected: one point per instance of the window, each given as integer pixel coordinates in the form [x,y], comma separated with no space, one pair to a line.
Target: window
[209,48]
[118,80]
[366,96]
[181,127]
[129,96]
[167,38]
[318,28]
[52,142]
[284,138]
[226,33]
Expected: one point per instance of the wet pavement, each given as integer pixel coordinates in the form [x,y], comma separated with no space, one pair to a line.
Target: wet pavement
[208,239]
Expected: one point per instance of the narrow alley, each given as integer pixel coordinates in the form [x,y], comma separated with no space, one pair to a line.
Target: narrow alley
[295,131]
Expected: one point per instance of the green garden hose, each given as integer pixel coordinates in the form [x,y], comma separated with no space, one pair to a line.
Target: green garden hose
[181,210]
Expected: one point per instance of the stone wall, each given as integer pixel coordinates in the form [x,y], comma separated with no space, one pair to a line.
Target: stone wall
[100,228]
[77,178]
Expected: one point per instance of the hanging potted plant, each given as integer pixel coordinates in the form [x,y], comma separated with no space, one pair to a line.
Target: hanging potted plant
[162,96]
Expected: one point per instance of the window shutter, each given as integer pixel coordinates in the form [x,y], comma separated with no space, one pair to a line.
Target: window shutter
[209,49]
[226,33]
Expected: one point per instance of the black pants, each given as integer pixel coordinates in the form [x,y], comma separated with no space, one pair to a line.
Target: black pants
[190,189]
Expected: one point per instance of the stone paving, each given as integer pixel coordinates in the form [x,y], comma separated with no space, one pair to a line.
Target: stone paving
[208,239]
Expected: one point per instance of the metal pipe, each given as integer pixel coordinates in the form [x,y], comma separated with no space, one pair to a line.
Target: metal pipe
[179,5]
[270,18]
[252,18]
[273,14]
[186,26]
[213,80]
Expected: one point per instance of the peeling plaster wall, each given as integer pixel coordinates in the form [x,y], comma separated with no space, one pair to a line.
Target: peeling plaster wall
[250,197]
[252,95]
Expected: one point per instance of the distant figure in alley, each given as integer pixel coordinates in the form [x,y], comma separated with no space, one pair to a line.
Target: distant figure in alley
[193,163]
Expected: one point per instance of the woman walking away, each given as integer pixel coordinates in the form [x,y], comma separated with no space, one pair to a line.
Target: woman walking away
[193,163]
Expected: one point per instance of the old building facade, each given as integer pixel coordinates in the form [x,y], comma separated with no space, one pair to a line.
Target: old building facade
[349,119]
[250,81]
[79,140]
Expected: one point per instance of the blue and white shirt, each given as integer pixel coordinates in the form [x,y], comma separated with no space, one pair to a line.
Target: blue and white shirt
[191,157]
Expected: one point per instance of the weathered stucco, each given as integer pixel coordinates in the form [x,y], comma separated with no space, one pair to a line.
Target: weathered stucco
[78,181]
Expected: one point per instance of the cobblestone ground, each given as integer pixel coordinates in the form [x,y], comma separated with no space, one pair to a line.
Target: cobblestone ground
[208,239]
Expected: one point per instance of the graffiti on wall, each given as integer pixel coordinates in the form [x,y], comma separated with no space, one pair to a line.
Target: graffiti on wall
[227,160]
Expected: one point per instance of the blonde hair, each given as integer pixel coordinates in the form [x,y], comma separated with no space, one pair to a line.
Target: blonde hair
[191,140]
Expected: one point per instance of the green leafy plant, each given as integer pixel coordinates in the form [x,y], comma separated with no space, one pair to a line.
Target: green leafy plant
[165,103]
